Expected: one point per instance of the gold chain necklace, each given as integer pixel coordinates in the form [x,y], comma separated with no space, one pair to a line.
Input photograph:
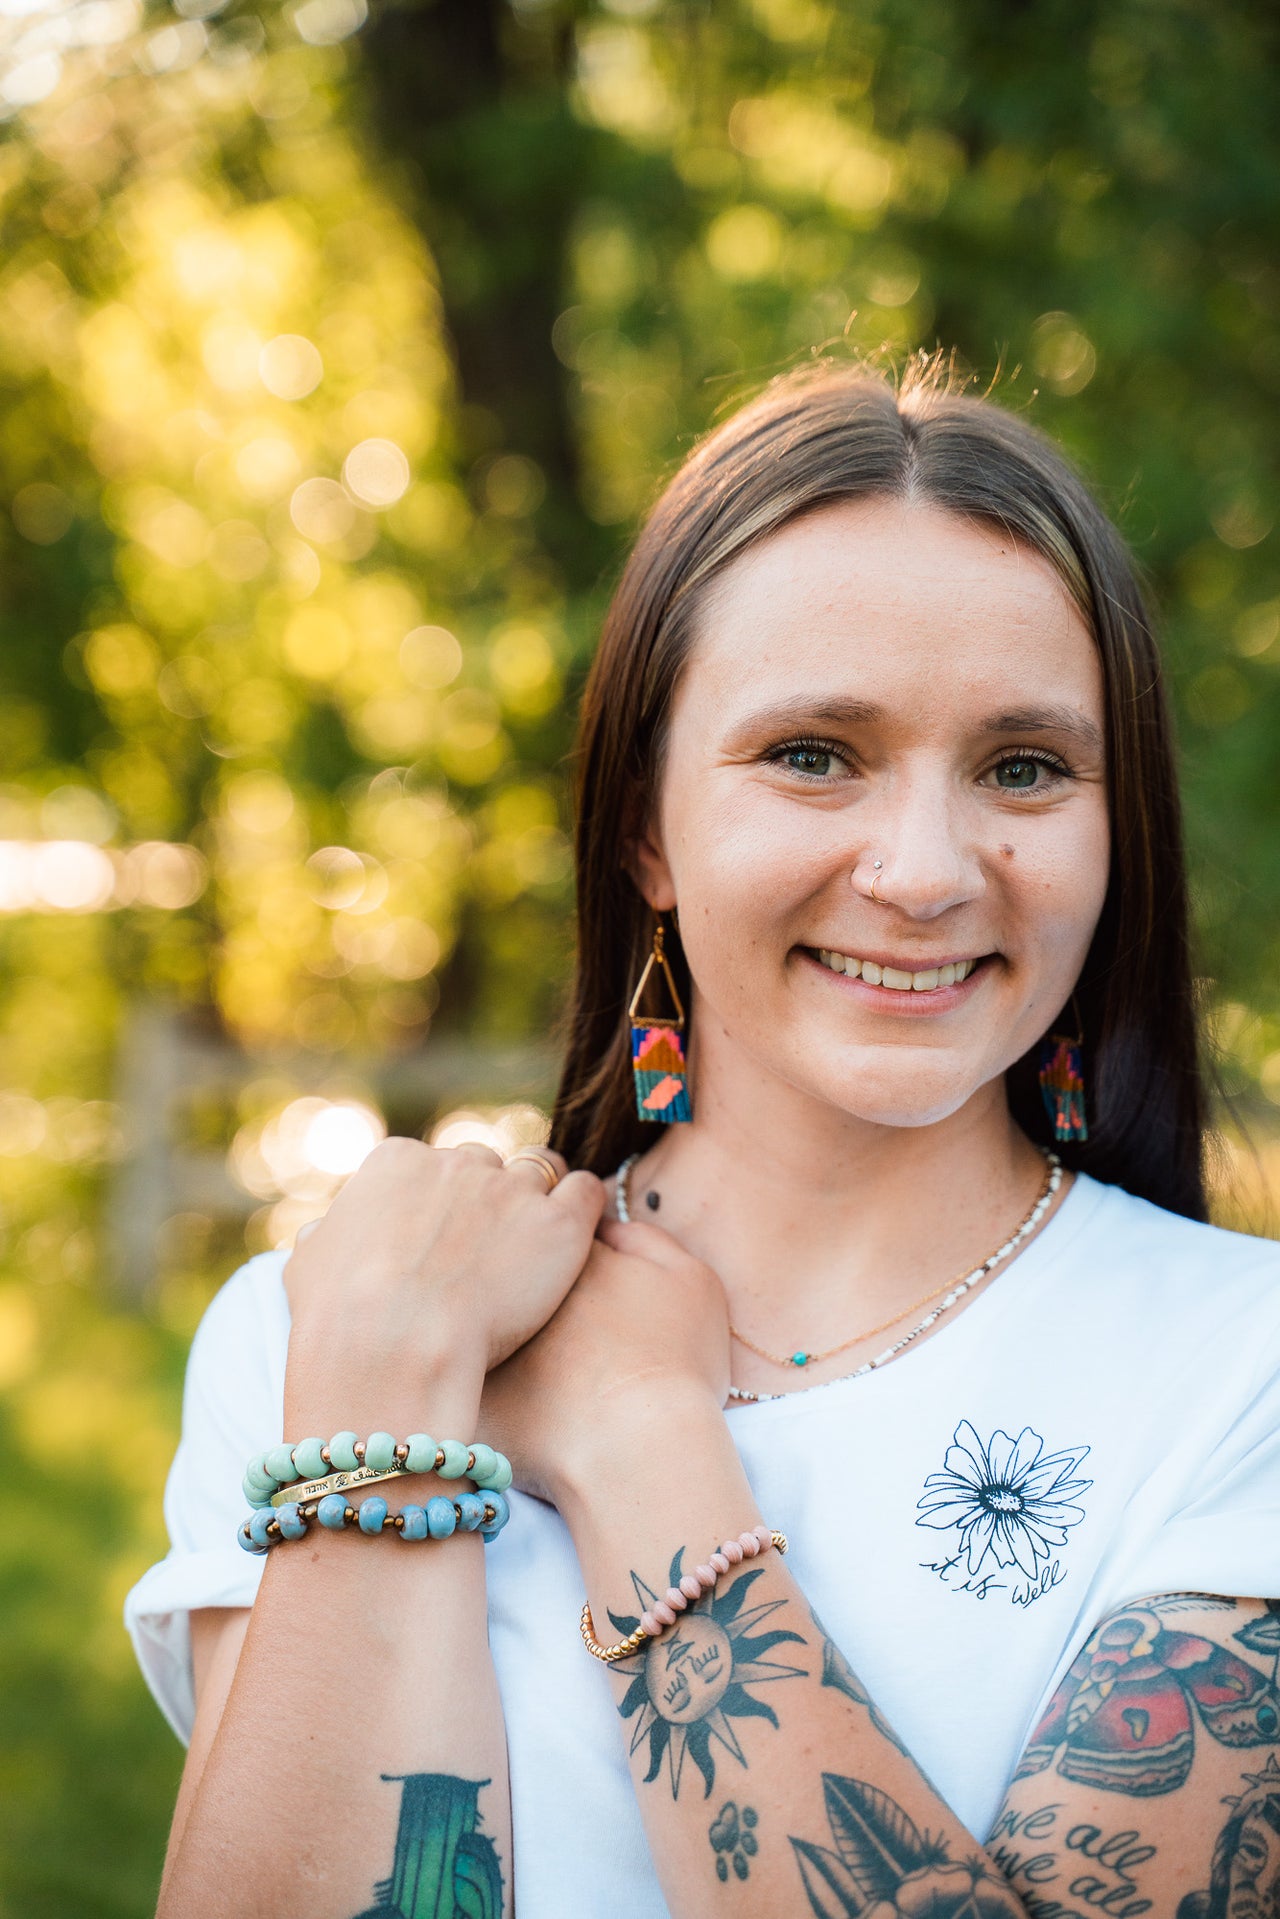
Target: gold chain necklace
[966,1278]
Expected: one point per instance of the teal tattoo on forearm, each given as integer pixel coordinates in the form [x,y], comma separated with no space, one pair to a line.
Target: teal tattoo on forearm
[686,1688]
[444,1866]
[733,1839]
[879,1860]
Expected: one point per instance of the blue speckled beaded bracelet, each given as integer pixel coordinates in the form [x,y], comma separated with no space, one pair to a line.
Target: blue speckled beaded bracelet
[345,1461]
[267,1526]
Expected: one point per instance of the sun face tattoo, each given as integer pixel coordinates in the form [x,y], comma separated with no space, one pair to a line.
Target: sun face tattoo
[686,1688]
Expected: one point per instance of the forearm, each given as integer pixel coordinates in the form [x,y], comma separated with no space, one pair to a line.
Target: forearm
[365,1665]
[757,1757]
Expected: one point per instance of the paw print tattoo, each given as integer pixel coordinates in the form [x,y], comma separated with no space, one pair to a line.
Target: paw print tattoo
[733,1839]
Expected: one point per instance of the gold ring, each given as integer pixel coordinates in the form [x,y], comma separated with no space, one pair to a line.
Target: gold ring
[550,1172]
[875,880]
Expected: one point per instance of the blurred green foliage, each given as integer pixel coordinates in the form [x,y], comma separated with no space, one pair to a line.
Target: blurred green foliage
[337,359]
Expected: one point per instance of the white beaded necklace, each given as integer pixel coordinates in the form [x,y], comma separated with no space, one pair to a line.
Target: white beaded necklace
[957,1292]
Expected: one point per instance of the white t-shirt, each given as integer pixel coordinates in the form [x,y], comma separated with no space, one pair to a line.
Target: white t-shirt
[1102,1423]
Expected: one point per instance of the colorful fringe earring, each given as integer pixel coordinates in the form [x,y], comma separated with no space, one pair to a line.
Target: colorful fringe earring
[1062,1083]
[657,1049]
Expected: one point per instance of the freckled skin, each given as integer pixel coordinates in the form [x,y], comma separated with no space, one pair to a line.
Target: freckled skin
[941,625]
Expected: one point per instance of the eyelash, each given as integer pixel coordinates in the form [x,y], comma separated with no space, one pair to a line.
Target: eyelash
[1040,755]
[810,743]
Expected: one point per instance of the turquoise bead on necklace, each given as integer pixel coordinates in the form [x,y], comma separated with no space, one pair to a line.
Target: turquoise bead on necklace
[954,1289]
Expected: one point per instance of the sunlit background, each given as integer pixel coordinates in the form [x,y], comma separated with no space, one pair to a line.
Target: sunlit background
[340,350]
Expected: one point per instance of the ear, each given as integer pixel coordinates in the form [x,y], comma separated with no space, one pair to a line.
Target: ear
[646,862]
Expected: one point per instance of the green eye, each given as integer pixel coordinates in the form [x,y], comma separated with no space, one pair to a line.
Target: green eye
[1018,775]
[813,760]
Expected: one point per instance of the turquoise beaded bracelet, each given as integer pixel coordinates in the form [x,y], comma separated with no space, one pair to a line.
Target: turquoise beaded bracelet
[379,1456]
[470,1513]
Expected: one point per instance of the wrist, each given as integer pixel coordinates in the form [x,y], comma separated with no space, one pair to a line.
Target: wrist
[643,1443]
[335,1388]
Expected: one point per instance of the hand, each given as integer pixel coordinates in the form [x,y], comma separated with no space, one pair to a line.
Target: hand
[642,1338]
[430,1260]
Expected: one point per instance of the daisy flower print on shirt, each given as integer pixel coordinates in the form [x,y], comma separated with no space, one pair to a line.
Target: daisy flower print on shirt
[1009,1503]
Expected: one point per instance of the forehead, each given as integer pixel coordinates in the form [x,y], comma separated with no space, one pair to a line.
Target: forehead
[889,600]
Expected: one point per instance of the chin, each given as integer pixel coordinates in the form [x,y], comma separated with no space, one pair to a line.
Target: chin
[907,1098]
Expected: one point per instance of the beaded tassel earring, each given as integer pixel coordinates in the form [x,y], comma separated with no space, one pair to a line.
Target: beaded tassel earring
[657,1049]
[1062,1082]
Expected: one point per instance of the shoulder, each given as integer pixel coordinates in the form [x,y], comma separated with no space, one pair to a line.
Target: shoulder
[1135,1233]
[1171,1287]
[253,1294]
[243,1334]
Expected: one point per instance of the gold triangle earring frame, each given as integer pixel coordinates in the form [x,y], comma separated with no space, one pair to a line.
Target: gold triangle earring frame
[657,1046]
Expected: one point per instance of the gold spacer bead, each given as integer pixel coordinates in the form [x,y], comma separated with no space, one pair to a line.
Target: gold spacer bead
[358,1450]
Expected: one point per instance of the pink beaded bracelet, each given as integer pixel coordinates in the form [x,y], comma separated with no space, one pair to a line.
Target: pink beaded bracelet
[676,1599]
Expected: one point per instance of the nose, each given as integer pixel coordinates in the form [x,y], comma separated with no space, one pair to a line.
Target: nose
[930,862]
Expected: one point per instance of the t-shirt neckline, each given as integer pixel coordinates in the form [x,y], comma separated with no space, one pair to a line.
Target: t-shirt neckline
[1082,1200]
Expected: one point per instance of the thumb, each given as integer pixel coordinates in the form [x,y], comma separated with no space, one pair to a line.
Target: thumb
[643,1241]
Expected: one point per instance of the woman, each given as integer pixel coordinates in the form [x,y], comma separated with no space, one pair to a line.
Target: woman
[875,767]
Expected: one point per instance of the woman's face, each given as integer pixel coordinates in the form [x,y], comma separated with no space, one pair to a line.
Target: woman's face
[882,681]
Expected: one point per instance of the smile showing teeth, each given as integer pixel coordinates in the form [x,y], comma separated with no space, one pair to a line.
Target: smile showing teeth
[924,982]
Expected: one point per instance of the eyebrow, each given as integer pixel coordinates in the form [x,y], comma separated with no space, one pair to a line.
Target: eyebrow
[837,713]
[1046,719]
[807,712]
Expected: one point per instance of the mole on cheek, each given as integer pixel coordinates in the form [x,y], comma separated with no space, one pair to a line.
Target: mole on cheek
[1007,851]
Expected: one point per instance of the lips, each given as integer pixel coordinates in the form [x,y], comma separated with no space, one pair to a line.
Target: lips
[929,979]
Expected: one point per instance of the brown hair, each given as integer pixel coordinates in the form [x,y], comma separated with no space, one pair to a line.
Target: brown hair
[828,434]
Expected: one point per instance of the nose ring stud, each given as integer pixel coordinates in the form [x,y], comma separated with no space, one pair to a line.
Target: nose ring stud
[875,880]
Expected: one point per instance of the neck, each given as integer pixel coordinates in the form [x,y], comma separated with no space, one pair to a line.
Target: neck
[813,1219]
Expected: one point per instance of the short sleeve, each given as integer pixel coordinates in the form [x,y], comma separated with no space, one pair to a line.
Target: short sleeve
[1225,1535]
[1211,1525]
[232,1407]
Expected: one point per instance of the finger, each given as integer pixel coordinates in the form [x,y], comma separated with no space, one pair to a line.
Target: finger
[643,1241]
[538,1162]
[582,1194]
[304,1231]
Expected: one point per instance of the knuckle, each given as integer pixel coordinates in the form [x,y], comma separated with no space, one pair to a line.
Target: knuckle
[583,1187]
[397,1148]
[474,1152]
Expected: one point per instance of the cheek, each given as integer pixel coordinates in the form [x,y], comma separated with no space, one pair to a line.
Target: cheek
[742,851]
[1061,884]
